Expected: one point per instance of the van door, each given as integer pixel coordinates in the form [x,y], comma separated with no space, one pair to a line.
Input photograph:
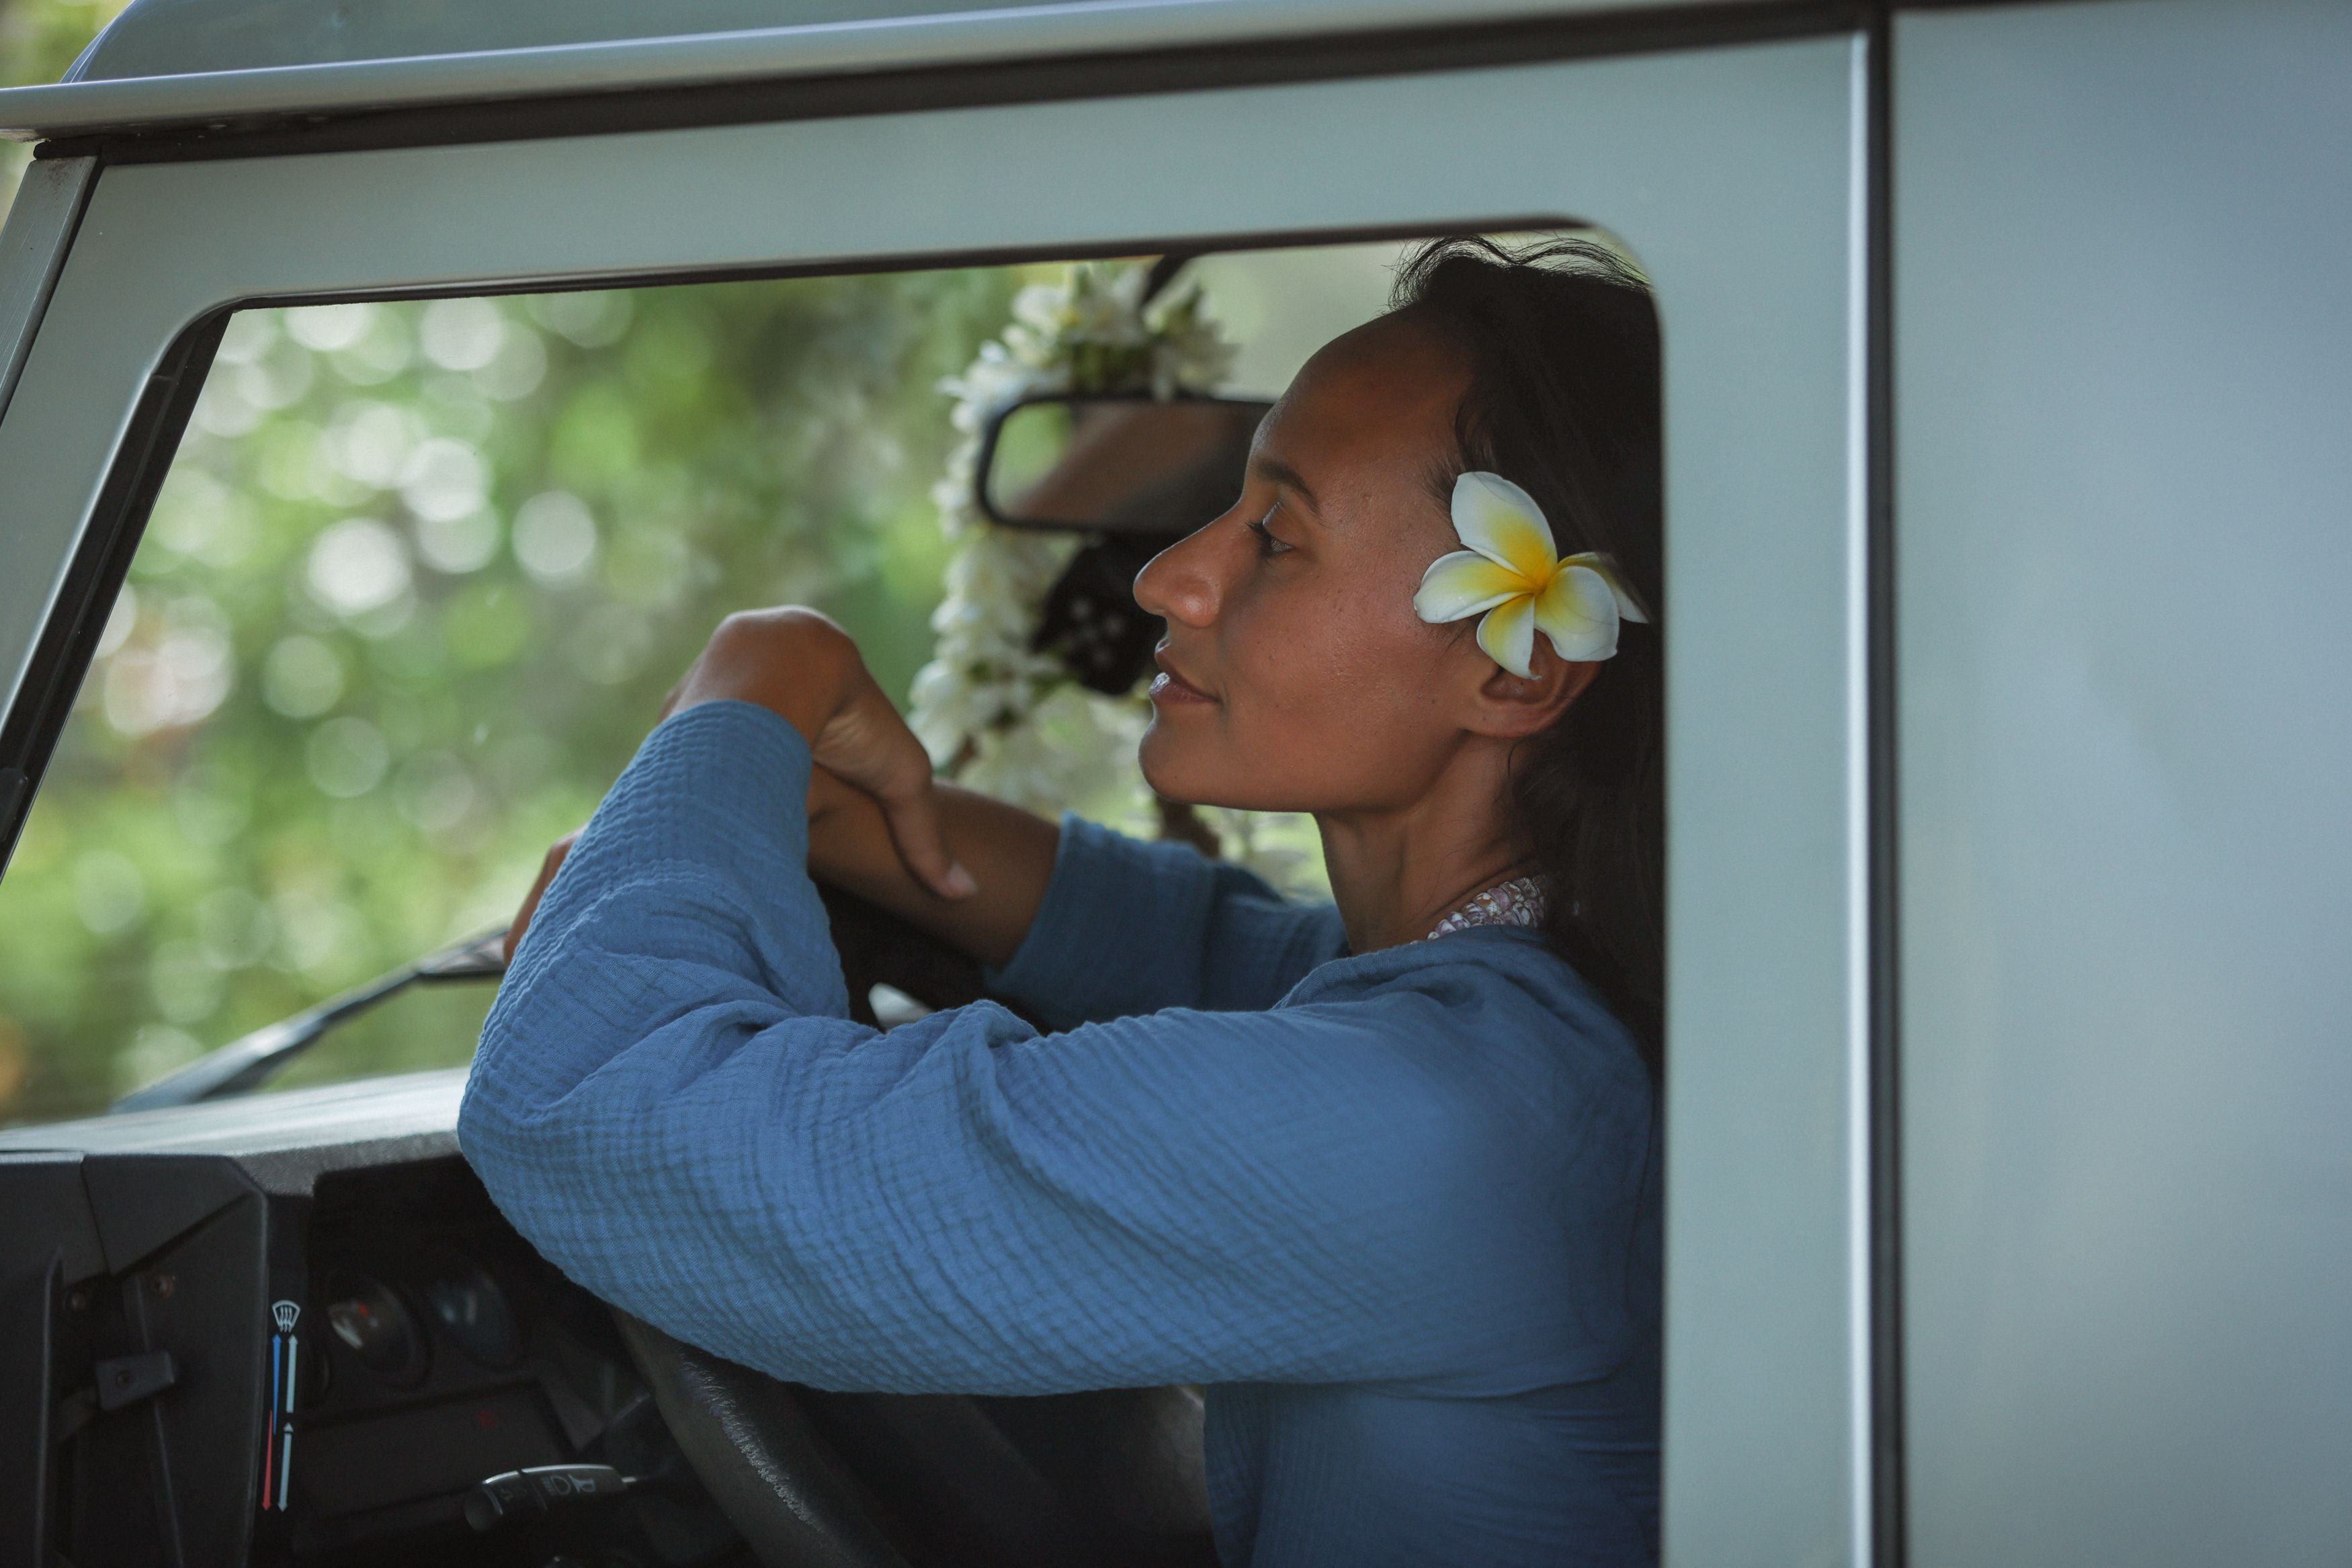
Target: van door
[1735,173]
[2124,354]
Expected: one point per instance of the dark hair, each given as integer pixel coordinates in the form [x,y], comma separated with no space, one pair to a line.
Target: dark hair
[1562,338]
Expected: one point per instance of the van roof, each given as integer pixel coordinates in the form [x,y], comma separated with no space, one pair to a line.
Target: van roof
[190,62]
[183,37]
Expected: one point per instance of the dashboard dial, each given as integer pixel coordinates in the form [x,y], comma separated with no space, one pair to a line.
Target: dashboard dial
[369,1317]
[473,1313]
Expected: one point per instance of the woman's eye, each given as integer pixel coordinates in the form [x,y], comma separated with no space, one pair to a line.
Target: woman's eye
[1268,545]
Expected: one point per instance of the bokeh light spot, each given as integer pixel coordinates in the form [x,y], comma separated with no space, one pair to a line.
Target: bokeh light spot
[301,678]
[357,566]
[347,757]
[555,537]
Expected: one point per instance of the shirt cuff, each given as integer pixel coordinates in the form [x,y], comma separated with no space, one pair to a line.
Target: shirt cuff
[719,780]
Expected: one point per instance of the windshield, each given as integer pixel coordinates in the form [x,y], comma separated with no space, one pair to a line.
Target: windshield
[415,587]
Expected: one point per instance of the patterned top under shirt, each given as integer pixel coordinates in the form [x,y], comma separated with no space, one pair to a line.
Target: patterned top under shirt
[1518,901]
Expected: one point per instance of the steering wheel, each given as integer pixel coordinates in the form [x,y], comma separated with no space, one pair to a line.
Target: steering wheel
[818,1479]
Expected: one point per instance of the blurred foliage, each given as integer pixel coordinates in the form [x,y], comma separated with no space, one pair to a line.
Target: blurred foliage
[40,38]
[410,598]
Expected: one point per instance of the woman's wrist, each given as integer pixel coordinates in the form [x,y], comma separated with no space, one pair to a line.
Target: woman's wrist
[792,662]
[801,667]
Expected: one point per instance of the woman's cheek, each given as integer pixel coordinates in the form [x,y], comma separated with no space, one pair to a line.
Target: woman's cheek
[1357,654]
[1315,662]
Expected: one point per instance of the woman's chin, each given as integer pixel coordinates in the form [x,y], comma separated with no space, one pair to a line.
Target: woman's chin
[1173,766]
[1151,754]
[1182,769]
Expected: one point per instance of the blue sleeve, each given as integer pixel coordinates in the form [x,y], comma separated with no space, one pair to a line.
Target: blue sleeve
[1131,927]
[670,1105]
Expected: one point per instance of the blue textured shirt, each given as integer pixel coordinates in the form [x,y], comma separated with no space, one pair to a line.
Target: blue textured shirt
[1399,1211]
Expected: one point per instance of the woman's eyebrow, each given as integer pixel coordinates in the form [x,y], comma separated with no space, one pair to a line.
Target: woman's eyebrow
[1274,470]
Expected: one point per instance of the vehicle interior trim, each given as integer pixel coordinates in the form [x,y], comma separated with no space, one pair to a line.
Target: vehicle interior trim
[282,1140]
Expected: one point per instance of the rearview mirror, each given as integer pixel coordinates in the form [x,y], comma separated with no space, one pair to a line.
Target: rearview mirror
[1115,464]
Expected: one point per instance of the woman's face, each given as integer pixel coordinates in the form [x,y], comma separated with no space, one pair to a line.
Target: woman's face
[1296,676]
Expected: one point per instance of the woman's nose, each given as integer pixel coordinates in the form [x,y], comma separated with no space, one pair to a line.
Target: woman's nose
[1182,583]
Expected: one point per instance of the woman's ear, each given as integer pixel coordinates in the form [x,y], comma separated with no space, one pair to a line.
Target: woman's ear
[1510,707]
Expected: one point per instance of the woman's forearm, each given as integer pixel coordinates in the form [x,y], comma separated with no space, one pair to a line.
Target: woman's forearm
[1009,852]
[969,870]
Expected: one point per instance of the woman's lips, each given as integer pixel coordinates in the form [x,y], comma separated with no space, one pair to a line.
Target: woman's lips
[1172,689]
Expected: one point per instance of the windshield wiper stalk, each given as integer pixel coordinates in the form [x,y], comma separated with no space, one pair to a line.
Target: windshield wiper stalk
[243,1065]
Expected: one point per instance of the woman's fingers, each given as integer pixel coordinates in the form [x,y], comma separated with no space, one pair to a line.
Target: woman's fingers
[827,794]
[547,870]
[867,743]
[806,670]
[915,829]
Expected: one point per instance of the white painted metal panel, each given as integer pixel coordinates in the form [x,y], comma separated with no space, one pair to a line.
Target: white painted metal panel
[192,60]
[33,240]
[2124,493]
[1730,172]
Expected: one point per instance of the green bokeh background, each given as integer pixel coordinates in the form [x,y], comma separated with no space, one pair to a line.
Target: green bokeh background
[411,597]
[413,592]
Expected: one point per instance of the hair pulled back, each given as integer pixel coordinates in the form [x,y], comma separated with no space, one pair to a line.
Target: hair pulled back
[1561,341]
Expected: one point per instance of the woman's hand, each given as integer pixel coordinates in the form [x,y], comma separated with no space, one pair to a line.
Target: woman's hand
[801,666]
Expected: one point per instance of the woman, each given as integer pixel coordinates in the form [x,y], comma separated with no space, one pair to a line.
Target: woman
[1384,1175]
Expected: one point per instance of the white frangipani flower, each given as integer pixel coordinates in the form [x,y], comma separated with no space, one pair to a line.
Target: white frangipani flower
[1514,574]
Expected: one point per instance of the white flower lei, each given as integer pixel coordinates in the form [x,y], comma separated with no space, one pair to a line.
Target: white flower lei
[992,711]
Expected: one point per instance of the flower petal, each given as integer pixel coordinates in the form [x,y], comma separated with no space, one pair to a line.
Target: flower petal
[1503,523]
[1464,583]
[1577,611]
[1626,608]
[1508,634]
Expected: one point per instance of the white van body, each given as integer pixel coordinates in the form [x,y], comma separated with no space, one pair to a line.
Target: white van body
[2009,414]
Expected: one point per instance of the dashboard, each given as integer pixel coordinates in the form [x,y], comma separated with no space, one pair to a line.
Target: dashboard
[292,1329]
